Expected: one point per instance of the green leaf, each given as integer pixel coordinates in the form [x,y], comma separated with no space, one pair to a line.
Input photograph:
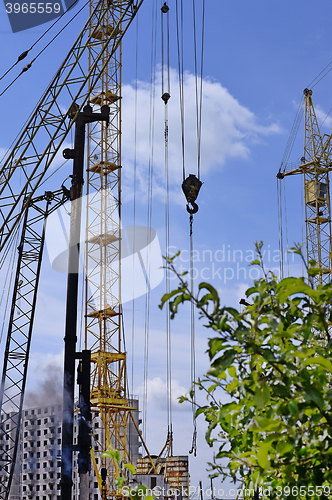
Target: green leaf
[293,407]
[267,424]
[220,364]
[149,497]
[168,296]
[313,394]
[232,371]
[214,294]
[131,468]
[255,262]
[319,360]
[262,395]
[262,455]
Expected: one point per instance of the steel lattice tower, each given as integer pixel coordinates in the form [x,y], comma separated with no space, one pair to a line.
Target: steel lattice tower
[103,282]
[316,166]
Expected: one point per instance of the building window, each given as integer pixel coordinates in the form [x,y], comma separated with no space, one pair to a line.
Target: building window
[32,422]
[24,446]
[45,443]
[59,430]
[95,485]
[38,443]
[32,412]
[52,419]
[25,423]
[45,420]
[38,465]
[44,476]
[39,422]
[52,409]
[26,412]
[25,466]
[45,410]
[38,476]
[51,464]
[44,486]
[39,411]
[24,488]
[44,465]
[45,432]
[37,487]
[38,433]
[45,454]
[25,434]
[59,441]
[38,454]
[25,455]
[24,477]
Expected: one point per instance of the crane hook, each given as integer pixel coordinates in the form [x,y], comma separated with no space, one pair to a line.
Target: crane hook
[190,187]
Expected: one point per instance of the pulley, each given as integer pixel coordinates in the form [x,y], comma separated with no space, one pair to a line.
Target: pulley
[190,187]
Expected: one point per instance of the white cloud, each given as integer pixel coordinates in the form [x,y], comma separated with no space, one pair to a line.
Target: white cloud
[229,130]
[157,391]
[323,118]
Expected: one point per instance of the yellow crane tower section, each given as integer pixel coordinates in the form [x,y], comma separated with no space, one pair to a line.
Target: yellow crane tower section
[315,166]
[103,336]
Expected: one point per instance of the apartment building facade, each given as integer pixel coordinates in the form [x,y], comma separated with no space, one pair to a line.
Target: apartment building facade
[38,466]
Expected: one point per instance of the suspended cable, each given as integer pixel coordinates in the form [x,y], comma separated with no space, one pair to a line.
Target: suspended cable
[26,52]
[286,223]
[281,248]
[179,38]
[292,136]
[192,340]
[312,84]
[134,210]
[149,211]
[165,97]
[10,269]
[28,66]
[198,94]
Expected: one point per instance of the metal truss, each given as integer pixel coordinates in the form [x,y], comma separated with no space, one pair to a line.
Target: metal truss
[45,131]
[20,327]
[103,251]
[317,195]
[315,166]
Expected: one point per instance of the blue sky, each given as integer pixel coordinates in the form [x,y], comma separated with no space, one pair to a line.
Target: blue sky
[259,56]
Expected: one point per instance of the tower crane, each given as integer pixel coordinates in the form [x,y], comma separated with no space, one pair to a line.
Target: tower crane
[20,327]
[91,73]
[316,163]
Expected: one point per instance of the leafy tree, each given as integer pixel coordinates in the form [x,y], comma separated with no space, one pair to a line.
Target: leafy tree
[273,360]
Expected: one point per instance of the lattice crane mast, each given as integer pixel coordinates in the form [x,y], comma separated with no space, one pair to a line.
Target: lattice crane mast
[91,73]
[315,166]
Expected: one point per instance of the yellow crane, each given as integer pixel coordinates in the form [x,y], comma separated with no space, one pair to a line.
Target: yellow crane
[316,163]
[91,73]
